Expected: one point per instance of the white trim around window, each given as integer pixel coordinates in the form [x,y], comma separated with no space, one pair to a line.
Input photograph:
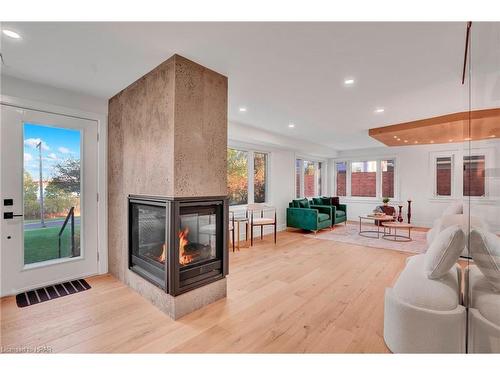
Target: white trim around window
[321,178]
[378,188]
[457,173]
[250,172]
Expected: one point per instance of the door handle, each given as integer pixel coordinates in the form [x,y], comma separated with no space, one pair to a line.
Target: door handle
[10,215]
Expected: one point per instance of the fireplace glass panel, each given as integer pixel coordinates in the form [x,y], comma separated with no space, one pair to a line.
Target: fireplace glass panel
[148,245]
[197,235]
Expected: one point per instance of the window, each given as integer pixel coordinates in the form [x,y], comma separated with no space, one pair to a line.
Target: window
[364,179]
[237,176]
[474,177]
[298,177]
[444,168]
[243,185]
[341,173]
[387,167]
[259,177]
[308,178]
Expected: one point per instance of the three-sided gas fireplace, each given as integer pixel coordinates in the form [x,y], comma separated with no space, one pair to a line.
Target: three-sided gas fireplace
[178,244]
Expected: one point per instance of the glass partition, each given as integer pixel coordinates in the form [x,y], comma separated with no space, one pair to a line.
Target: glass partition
[481,190]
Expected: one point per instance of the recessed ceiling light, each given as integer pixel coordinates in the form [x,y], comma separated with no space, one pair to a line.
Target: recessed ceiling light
[467,139]
[243,109]
[492,136]
[406,141]
[415,142]
[432,141]
[291,125]
[348,81]
[395,137]
[11,34]
[398,139]
[450,140]
[379,110]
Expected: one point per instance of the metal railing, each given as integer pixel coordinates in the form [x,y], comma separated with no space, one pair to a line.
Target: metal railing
[69,217]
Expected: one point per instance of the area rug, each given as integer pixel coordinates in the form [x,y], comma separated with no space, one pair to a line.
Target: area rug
[48,293]
[349,234]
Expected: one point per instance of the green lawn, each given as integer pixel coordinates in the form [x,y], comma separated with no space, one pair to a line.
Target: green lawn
[42,244]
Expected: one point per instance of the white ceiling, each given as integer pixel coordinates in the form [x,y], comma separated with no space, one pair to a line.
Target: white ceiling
[282,72]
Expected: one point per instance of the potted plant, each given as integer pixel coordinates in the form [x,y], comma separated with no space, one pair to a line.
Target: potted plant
[385,201]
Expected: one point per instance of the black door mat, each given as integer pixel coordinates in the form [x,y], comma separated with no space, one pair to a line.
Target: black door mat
[33,297]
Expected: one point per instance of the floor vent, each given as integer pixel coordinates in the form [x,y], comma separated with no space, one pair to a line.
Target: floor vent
[48,293]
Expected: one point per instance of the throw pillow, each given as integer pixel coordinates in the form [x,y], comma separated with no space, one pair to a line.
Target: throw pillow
[317,201]
[301,203]
[485,251]
[326,201]
[444,251]
[335,201]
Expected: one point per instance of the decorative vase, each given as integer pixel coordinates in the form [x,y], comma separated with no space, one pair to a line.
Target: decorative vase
[400,217]
[409,210]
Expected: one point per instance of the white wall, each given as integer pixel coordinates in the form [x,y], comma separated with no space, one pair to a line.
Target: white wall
[15,87]
[415,180]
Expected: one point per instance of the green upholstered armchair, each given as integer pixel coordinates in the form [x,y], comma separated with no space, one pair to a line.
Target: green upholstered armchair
[304,215]
[339,211]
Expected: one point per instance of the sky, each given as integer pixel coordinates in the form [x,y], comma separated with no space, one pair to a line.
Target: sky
[58,144]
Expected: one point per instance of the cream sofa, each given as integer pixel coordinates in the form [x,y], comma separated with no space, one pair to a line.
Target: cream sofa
[425,315]
[448,220]
[484,313]
[422,315]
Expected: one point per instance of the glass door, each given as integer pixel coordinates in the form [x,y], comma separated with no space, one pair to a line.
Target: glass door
[49,198]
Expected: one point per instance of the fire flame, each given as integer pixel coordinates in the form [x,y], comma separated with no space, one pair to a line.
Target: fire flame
[183,241]
[161,258]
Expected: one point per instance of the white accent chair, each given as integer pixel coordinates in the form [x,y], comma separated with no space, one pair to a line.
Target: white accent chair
[423,315]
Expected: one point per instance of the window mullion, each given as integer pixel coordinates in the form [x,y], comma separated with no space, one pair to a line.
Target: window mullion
[250,163]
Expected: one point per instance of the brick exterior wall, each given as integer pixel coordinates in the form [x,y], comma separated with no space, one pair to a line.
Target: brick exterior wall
[388,184]
[364,184]
[474,181]
[341,184]
[309,185]
[443,182]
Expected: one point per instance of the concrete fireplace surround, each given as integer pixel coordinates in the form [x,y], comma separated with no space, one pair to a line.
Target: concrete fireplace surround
[167,136]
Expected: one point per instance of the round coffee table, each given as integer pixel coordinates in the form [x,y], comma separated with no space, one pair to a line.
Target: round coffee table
[395,236]
[376,220]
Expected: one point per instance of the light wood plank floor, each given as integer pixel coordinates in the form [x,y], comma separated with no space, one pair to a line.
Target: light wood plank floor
[302,295]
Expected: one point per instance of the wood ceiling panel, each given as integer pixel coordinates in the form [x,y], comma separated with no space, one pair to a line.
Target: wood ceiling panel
[450,128]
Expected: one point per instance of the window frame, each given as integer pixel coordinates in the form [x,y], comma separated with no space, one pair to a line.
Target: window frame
[457,185]
[250,174]
[320,176]
[453,177]
[378,189]
[489,164]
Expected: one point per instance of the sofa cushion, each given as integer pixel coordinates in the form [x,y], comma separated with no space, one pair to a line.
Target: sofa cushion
[317,201]
[482,296]
[457,219]
[339,213]
[335,201]
[485,251]
[301,203]
[454,209]
[444,252]
[326,201]
[415,288]
[323,217]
